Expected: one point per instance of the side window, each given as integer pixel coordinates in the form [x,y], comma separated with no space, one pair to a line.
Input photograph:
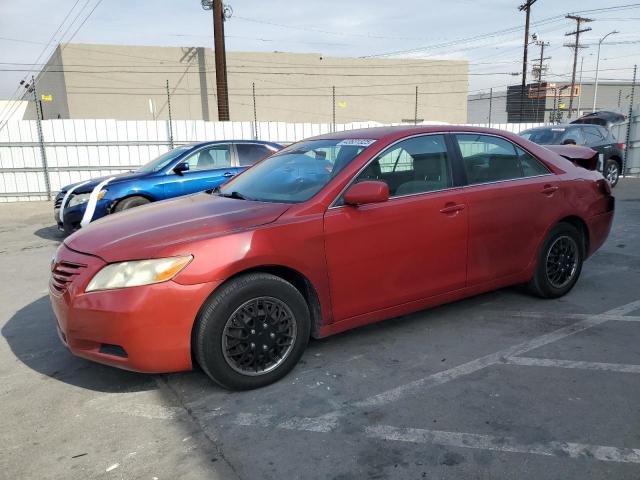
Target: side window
[593,136]
[573,136]
[209,158]
[250,153]
[530,165]
[415,165]
[492,159]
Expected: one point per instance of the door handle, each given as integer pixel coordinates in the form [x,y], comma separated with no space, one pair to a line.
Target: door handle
[450,208]
[228,174]
[550,189]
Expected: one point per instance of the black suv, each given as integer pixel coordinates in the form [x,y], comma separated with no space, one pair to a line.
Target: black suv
[593,136]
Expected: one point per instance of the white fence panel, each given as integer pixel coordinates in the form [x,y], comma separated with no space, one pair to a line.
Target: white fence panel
[81,149]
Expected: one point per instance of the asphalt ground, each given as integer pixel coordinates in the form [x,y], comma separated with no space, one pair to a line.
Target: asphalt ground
[502,385]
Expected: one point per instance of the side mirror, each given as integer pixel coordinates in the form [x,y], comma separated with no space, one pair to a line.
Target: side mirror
[366,192]
[181,168]
[569,141]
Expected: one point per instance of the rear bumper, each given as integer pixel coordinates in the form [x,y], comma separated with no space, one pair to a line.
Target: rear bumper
[144,329]
[599,227]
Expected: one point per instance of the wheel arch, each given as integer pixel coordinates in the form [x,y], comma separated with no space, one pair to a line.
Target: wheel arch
[618,160]
[116,201]
[582,227]
[295,278]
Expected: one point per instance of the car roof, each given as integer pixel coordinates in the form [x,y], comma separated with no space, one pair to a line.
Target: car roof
[399,131]
[215,142]
[563,125]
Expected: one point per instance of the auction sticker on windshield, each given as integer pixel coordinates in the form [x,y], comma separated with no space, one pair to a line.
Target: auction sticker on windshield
[356,142]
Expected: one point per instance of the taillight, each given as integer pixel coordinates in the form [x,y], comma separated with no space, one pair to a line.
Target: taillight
[604,186]
[621,146]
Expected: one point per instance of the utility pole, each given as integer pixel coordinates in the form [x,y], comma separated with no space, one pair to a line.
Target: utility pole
[580,84]
[220,14]
[539,73]
[526,7]
[579,21]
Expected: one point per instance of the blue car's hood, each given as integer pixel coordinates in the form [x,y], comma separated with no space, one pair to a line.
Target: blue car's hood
[119,177]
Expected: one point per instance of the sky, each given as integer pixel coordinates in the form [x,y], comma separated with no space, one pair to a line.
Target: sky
[29,31]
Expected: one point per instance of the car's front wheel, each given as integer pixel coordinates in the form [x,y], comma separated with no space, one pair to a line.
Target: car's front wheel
[612,172]
[559,262]
[252,331]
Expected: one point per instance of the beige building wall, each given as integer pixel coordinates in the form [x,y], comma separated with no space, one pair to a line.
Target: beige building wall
[129,83]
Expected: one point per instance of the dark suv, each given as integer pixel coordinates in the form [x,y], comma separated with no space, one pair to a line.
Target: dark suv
[593,136]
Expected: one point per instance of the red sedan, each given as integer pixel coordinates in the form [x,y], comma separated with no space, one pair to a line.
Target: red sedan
[328,234]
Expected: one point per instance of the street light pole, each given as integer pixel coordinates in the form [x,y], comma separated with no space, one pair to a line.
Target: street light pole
[595,86]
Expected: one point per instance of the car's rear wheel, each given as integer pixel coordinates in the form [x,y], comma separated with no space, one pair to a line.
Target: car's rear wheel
[252,331]
[559,262]
[612,172]
[131,202]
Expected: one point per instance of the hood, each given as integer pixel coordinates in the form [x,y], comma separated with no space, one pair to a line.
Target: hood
[119,177]
[143,232]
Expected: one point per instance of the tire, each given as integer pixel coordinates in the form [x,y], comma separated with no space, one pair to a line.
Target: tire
[553,279]
[612,172]
[221,353]
[131,202]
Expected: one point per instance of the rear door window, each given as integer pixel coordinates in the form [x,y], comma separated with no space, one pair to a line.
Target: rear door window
[250,153]
[489,159]
[593,136]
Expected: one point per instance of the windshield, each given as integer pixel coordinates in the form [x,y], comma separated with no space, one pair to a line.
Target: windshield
[296,173]
[162,161]
[553,135]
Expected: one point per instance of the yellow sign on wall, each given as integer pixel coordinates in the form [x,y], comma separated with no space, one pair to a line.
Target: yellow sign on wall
[46,97]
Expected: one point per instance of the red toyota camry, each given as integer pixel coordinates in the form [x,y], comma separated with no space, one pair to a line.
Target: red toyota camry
[328,234]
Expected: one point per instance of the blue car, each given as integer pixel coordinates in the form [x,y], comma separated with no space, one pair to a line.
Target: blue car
[181,171]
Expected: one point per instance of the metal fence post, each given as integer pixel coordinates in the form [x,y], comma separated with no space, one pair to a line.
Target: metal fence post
[255,112]
[43,151]
[490,104]
[333,97]
[630,118]
[170,119]
[415,112]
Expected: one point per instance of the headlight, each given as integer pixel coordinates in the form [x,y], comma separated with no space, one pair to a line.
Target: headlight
[81,198]
[138,272]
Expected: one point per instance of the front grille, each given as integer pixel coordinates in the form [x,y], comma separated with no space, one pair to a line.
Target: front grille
[58,201]
[63,273]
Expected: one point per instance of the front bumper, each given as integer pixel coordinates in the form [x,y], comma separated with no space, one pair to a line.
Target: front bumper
[144,329]
[73,215]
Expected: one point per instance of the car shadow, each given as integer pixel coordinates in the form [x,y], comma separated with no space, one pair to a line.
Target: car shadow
[50,233]
[31,334]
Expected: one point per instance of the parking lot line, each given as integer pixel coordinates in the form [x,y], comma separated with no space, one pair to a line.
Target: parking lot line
[554,362]
[474,365]
[329,421]
[574,316]
[503,444]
